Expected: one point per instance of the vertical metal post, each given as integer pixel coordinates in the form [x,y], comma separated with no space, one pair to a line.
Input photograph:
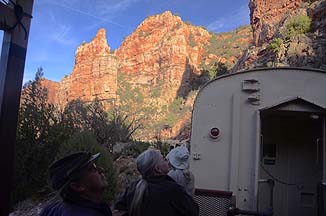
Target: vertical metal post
[12,65]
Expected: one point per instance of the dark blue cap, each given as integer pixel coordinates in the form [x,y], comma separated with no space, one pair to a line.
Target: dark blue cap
[63,169]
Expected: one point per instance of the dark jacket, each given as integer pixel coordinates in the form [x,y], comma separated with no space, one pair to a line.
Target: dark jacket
[81,207]
[163,197]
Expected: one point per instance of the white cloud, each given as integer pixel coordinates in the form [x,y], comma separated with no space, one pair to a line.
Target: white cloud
[104,8]
[57,31]
[61,35]
[101,10]
[234,20]
[216,25]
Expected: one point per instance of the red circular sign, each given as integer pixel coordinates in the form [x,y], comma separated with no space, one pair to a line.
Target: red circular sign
[215,132]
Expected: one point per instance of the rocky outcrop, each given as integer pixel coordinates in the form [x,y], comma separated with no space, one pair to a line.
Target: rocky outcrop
[299,50]
[94,74]
[163,50]
[127,172]
[266,17]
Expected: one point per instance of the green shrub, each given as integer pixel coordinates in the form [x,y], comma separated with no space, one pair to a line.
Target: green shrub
[140,111]
[135,148]
[39,135]
[143,34]
[227,44]
[300,24]
[192,41]
[177,105]
[86,141]
[175,111]
[214,69]
[276,45]
[178,25]
[171,119]
[78,116]
[156,93]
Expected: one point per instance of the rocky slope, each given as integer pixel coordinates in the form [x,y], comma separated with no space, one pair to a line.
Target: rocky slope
[279,37]
[266,17]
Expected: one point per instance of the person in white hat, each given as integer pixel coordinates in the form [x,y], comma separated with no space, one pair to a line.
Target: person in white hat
[179,161]
[155,193]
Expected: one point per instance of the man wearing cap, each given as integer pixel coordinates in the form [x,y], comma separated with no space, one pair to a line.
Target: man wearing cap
[80,184]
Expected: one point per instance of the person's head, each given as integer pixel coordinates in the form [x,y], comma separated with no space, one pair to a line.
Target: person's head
[179,158]
[78,175]
[151,163]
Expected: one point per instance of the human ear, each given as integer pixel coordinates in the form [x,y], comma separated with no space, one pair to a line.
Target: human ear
[157,170]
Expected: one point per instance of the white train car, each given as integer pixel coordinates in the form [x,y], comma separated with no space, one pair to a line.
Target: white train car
[260,136]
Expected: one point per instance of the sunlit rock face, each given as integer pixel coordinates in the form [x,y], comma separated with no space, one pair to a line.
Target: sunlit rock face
[165,51]
[269,20]
[52,89]
[94,74]
[266,17]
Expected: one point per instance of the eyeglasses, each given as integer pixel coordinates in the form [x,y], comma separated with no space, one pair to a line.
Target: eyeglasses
[94,168]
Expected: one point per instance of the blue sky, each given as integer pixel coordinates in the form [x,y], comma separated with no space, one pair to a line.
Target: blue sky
[60,26]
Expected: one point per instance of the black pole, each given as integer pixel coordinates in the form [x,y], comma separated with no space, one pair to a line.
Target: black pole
[12,65]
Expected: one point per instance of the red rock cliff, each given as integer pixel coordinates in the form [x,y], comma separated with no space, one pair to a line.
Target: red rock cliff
[163,54]
[266,17]
[163,49]
[94,73]
[270,22]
